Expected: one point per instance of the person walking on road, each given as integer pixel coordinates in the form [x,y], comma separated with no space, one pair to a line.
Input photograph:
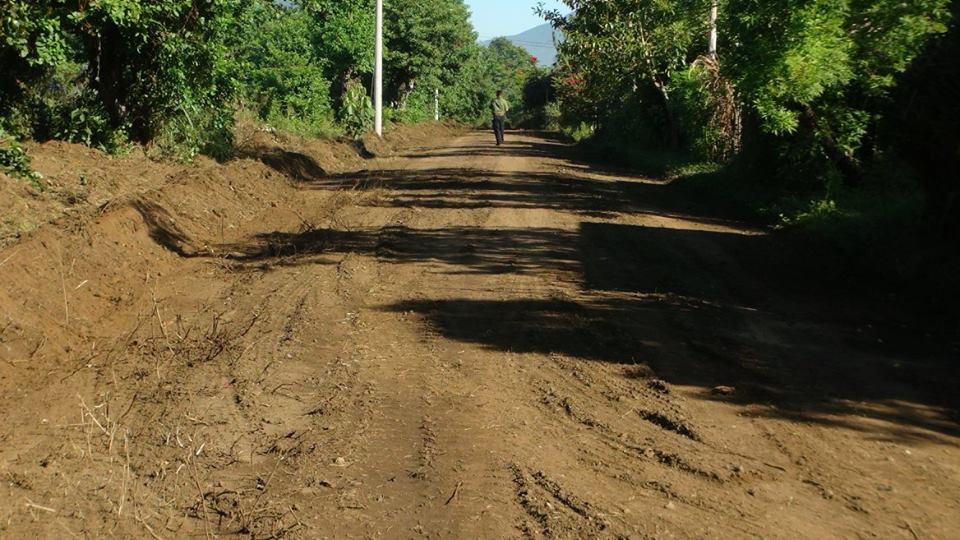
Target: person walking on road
[500,108]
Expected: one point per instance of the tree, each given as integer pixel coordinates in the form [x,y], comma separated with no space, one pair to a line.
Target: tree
[921,121]
[823,68]
[624,50]
[427,41]
[343,37]
[142,63]
[813,74]
[282,71]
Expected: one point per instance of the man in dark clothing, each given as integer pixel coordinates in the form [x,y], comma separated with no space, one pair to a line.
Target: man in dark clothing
[499,107]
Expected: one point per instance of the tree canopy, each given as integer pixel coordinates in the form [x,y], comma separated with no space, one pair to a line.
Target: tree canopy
[801,87]
[175,71]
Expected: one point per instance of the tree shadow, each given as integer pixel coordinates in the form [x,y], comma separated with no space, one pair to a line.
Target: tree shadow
[296,165]
[513,148]
[459,249]
[705,309]
[583,188]
[465,188]
[797,376]
[700,308]
[163,229]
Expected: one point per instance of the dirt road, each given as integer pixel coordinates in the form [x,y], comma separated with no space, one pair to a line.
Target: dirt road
[464,342]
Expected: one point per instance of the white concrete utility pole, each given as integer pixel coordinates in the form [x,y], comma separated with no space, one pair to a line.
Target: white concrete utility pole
[712,48]
[436,105]
[378,73]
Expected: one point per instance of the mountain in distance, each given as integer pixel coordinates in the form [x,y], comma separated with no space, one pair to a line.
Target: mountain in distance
[538,41]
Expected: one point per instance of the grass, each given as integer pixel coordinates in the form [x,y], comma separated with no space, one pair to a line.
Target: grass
[298,127]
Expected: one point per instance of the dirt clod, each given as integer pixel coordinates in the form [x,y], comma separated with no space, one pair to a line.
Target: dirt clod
[724,390]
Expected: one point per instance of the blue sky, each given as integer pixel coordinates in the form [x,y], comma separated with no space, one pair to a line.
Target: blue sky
[494,18]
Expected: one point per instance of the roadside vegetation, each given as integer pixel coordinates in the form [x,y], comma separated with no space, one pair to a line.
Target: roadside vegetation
[174,75]
[833,121]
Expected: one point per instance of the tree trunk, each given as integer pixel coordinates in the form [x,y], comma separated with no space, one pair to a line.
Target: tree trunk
[849,168]
[673,130]
[106,60]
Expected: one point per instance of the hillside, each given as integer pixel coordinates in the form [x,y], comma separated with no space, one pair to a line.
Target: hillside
[539,41]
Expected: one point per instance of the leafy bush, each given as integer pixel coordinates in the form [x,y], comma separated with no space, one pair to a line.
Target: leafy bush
[578,132]
[706,108]
[357,114]
[281,70]
[185,135]
[140,64]
[15,161]
[552,116]
[87,123]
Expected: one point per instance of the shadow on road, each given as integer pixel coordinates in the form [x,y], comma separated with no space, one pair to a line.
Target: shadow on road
[460,249]
[579,187]
[465,189]
[699,308]
[525,148]
[797,374]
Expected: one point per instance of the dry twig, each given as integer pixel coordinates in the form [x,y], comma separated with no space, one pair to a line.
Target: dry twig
[31,504]
[203,500]
[147,527]
[456,491]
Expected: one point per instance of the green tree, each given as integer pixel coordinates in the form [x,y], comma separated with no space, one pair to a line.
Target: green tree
[921,122]
[821,69]
[511,68]
[427,43]
[143,63]
[281,68]
[343,38]
[623,52]
[812,75]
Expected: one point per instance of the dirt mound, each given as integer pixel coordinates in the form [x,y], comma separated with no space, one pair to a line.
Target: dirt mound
[87,304]
[76,181]
[79,181]
[402,138]
[109,316]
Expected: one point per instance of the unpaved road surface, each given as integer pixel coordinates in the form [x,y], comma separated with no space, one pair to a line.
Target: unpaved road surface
[463,342]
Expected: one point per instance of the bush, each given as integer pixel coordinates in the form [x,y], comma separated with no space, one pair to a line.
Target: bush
[357,114]
[16,162]
[417,107]
[185,135]
[87,123]
[552,117]
[705,106]
[99,72]
[281,72]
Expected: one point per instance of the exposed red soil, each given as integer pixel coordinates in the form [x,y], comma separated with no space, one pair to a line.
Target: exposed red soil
[439,338]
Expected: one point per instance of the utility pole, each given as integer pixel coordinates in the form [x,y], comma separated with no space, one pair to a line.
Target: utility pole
[712,48]
[436,105]
[378,73]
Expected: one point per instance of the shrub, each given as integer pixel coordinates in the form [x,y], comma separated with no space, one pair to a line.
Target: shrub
[15,161]
[357,112]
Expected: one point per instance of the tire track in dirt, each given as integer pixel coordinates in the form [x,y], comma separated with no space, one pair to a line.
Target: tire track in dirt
[620,421]
[421,476]
[467,342]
